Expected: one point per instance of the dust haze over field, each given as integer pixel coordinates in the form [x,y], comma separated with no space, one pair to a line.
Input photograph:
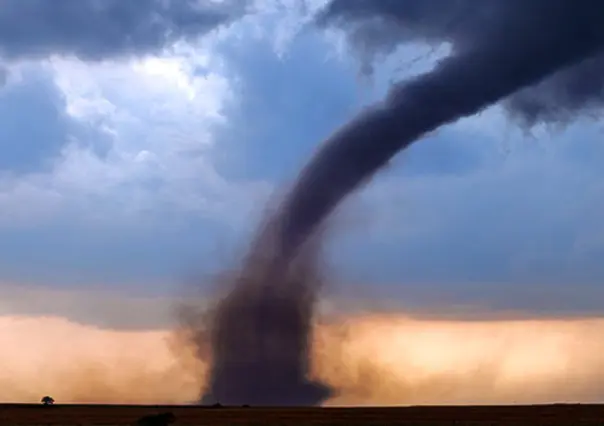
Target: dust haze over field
[369,359]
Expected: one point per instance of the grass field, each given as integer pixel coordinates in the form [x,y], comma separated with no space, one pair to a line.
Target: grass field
[68,415]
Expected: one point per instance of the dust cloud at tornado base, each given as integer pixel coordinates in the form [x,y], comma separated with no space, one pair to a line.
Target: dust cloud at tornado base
[370,359]
[260,333]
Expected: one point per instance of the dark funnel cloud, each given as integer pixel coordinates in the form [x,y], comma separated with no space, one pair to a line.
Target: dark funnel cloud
[540,50]
[560,98]
[100,29]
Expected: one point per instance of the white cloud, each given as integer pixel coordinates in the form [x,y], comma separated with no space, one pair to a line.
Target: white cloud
[159,113]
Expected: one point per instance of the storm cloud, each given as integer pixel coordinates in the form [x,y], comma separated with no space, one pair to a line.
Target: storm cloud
[377,28]
[95,30]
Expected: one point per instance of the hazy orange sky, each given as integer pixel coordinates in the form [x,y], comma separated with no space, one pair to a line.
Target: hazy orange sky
[370,358]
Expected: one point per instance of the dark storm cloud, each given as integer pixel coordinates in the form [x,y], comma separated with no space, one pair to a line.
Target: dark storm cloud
[378,27]
[97,29]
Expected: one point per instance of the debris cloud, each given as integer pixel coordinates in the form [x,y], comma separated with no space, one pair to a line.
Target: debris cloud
[370,359]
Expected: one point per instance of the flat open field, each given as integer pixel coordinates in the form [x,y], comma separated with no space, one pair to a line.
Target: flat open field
[67,415]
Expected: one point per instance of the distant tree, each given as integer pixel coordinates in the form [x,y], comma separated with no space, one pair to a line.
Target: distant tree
[47,400]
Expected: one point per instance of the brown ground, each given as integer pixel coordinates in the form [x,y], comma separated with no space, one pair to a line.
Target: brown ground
[67,415]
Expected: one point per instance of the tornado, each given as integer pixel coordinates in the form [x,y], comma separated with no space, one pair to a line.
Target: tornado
[539,57]
[260,333]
